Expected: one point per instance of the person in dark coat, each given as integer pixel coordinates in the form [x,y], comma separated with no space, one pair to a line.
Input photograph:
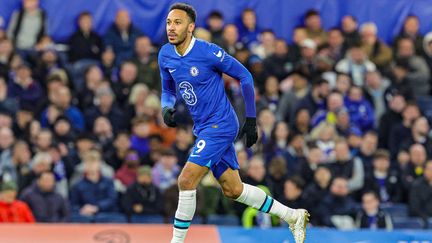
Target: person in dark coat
[316,98]
[121,36]
[392,117]
[142,197]
[336,203]
[84,43]
[316,191]
[46,204]
[421,194]
[371,216]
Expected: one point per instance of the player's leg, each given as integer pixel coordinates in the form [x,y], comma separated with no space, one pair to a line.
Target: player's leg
[188,181]
[227,174]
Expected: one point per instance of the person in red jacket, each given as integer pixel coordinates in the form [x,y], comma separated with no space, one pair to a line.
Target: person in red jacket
[12,210]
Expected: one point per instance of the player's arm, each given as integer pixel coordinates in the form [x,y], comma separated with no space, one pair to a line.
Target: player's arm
[168,95]
[225,63]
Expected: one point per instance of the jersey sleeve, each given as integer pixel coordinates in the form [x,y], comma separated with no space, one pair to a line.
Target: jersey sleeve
[225,63]
[168,94]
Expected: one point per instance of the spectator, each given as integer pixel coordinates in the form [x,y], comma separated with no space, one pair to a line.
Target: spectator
[307,62]
[418,74]
[266,45]
[295,152]
[18,167]
[280,63]
[270,98]
[121,144]
[183,144]
[360,110]
[337,208]
[27,25]
[314,30]
[312,162]
[411,30]
[93,198]
[368,147]
[384,180]
[215,24]
[299,35]
[316,97]
[11,209]
[277,174]
[140,133]
[7,139]
[92,81]
[137,98]
[166,170]
[146,63]
[419,134]
[356,64]
[336,46]
[105,106]
[127,174]
[377,51]
[47,205]
[62,169]
[293,192]
[420,194]
[390,118]
[402,130]
[61,104]
[265,121]
[7,54]
[230,39]
[302,122]
[89,155]
[121,36]
[427,50]
[399,84]
[143,197]
[256,172]
[335,102]
[23,87]
[289,98]
[325,136]
[249,30]
[350,32]
[108,65]
[371,216]
[43,140]
[104,133]
[375,87]
[127,77]
[316,190]
[49,64]
[347,167]
[84,44]
[278,141]
[415,168]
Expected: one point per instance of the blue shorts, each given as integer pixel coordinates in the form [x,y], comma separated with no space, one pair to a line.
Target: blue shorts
[214,148]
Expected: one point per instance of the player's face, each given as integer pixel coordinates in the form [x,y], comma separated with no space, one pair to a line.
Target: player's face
[178,26]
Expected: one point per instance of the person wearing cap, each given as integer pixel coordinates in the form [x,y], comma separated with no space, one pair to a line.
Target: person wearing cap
[11,209]
[142,197]
[128,172]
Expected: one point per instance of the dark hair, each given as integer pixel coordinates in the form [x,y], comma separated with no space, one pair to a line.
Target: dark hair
[381,154]
[190,11]
[371,193]
[84,13]
[215,14]
[297,181]
[311,12]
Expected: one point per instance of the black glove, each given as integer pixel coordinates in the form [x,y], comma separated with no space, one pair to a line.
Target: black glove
[168,116]
[249,128]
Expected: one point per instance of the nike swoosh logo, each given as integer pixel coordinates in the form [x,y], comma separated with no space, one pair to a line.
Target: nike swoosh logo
[219,54]
[171,70]
[195,155]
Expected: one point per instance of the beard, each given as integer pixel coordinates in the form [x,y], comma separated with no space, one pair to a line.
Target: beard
[180,39]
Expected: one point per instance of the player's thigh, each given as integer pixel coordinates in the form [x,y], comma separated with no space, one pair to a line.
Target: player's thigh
[231,183]
[191,175]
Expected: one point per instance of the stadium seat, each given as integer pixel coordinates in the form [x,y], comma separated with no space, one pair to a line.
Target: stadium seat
[407,223]
[223,220]
[396,210]
[147,219]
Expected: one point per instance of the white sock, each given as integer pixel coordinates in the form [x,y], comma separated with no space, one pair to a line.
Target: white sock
[257,198]
[184,214]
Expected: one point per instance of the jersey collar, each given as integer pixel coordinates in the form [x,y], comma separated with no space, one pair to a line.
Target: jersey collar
[191,45]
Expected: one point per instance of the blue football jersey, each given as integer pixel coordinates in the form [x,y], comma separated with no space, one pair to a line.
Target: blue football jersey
[196,77]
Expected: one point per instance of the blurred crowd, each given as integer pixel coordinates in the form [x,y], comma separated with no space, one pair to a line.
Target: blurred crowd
[344,122]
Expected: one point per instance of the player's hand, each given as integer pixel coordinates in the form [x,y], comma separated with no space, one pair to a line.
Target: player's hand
[250,130]
[168,116]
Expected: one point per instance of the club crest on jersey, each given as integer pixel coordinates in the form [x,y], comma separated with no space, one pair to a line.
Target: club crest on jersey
[194,71]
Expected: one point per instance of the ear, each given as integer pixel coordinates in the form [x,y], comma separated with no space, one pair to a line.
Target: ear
[191,27]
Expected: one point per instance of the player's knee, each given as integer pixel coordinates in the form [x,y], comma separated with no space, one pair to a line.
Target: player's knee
[233,192]
[185,183]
